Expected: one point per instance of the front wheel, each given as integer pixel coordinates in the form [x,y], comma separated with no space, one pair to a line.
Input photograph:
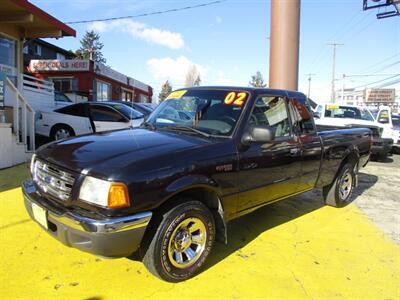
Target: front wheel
[182,242]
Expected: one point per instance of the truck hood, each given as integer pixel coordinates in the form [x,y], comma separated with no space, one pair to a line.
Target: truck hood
[103,153]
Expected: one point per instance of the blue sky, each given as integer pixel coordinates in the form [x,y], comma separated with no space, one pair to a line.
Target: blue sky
[228,42]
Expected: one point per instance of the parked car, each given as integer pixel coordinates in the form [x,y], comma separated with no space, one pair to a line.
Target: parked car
[141,107]
[86,117]
[331,116]
[167,189]
[391,125]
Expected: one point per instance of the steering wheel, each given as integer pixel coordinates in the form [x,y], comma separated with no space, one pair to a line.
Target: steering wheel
[253,120]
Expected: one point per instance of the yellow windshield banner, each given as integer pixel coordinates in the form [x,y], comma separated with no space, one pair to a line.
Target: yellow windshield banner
[332,106]
[176,94]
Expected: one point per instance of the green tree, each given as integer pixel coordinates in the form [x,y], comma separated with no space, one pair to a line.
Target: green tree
[91,47]
[257,80]
[166,89]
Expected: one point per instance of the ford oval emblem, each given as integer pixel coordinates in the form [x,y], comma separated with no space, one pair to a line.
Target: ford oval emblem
[47,179]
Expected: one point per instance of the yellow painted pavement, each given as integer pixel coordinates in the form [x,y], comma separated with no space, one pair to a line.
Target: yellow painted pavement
[294,249]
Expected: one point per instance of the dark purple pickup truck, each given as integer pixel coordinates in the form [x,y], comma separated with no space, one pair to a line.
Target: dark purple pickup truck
[205,156]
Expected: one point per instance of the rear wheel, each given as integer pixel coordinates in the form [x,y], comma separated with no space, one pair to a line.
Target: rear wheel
[339,193]
[182,242]
[59,132]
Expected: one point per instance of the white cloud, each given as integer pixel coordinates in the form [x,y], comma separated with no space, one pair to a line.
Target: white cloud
[174,70]
[172,40]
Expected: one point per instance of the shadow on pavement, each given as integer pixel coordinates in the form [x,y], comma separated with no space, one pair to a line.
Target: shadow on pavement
[11,178]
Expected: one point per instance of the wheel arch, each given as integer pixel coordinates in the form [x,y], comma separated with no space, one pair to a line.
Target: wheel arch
[178,192]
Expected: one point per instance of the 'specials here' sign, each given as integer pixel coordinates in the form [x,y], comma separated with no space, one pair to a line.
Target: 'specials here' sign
[59,65]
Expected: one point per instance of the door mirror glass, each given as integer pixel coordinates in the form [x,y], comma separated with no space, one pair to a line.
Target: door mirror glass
[258,134]
[316,115]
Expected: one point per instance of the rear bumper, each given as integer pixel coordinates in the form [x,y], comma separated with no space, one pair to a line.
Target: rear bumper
[381,145]
[113,237]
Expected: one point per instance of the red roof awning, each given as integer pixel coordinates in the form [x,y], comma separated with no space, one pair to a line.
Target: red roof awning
[31,20]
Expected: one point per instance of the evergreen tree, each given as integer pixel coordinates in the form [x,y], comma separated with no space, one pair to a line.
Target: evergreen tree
[91,47]
[166,89]
[257,80]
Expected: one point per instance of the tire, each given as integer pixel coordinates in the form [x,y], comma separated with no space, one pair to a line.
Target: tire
[61,131]
[187,229]
[383,156]
[338,194]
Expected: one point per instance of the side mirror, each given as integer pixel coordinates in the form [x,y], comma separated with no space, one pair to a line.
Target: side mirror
[316,115]
[258,134]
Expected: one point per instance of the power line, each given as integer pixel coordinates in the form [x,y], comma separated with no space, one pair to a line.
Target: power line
[387,67]
[378,81]
[381,62]
[150,13]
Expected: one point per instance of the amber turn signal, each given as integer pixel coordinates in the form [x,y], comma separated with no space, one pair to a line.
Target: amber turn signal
[118,196]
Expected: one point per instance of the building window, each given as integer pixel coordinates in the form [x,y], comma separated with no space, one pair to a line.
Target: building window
[143,98]
[8,58]
[37,50]
[103,91]
[126,96]
[65,84]
[60,56]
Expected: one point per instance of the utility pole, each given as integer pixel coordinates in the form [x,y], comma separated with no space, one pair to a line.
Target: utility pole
[309,83]
[334,45]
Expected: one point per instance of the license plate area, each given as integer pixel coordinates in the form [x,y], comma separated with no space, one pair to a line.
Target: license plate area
[40,215]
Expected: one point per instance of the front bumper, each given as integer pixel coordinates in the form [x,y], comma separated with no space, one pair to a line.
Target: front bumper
[112,237]
[381,145]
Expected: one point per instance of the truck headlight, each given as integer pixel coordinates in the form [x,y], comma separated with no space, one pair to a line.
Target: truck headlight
[104,193]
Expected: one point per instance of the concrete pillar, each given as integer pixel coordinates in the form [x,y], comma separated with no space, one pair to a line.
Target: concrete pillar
[284,44]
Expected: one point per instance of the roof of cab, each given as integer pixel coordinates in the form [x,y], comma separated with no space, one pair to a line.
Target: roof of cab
[256,90]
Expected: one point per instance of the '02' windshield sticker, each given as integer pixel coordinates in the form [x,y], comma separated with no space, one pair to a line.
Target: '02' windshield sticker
[234,98]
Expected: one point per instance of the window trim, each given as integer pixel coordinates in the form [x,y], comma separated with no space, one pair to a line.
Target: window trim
[291,135]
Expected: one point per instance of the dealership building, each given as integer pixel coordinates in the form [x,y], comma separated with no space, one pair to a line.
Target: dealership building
[91,80]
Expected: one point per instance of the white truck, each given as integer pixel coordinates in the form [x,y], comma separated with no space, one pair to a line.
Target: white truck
[391,124]
[332,115]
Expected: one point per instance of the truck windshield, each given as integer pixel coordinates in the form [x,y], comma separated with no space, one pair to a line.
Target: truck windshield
[350,112]
[211,111]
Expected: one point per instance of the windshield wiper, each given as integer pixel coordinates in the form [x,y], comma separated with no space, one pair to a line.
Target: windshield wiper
[147,124]
[187,128]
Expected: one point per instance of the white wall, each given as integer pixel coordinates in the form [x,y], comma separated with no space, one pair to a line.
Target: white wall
[11,153]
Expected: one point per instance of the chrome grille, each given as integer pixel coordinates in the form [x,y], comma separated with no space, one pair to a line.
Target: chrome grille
[52,180]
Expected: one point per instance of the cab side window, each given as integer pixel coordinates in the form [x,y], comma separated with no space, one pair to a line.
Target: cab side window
[301,114]
[105,114]
[271,111]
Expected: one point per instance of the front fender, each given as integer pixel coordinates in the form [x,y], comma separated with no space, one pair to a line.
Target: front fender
[189,182]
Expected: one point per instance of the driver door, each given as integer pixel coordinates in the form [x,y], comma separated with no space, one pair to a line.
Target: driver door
[269,171]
